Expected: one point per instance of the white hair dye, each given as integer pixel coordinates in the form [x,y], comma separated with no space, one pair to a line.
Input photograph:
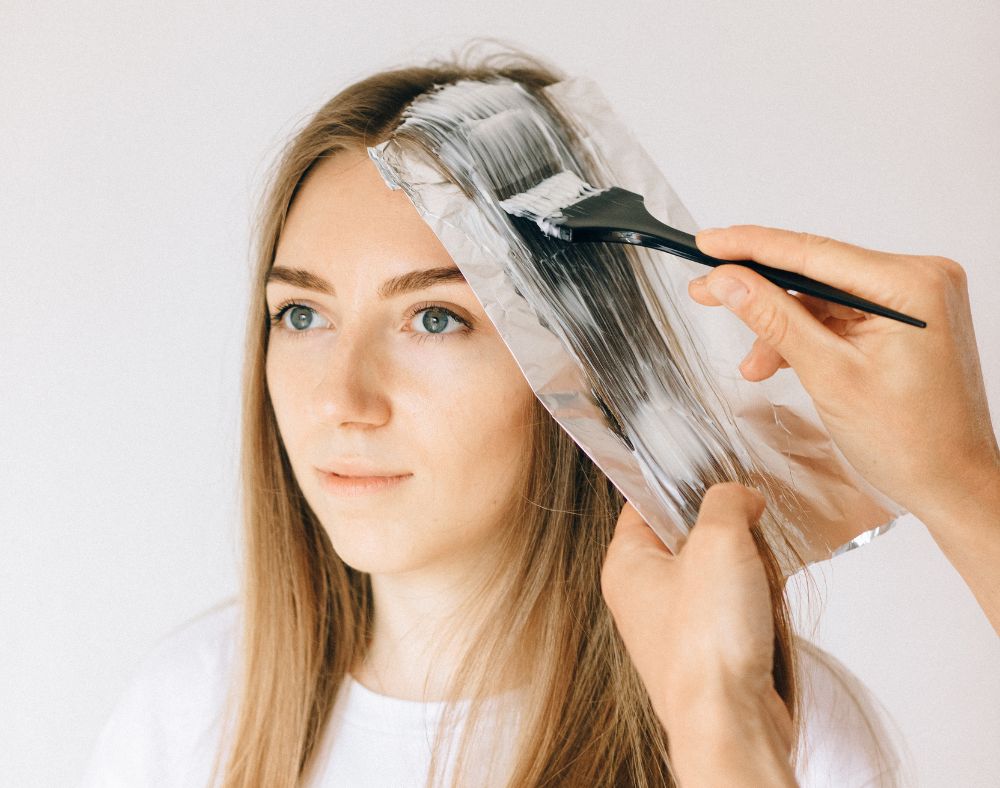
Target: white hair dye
[543,203]
[605,333]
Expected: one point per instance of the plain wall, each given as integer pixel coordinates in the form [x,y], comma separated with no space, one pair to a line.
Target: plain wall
[136,138]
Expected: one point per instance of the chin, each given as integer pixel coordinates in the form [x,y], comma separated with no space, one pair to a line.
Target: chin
[362,561]
[376,548]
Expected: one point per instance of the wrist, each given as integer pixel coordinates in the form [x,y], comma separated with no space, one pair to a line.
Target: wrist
[967,530]
[729,735]
[979,496]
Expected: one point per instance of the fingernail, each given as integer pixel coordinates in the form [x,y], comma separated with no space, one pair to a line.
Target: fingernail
[729,291]
[699,281]
[709,231]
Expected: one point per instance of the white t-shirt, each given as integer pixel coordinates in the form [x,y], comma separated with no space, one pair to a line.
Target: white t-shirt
[166,727]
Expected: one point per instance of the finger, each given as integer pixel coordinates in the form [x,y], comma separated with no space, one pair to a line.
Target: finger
[839,326]
[780,319]
[823,308]
[730,506]
[632,531]
[835,317]
[843,265]
[819,307]
[761,362]
[633,546]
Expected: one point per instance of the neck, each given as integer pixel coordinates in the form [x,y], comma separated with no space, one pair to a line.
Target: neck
[421,621]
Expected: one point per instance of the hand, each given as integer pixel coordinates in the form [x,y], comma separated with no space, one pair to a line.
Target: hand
[698,628]
[907,406]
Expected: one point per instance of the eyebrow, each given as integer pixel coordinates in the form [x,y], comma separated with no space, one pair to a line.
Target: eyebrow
[404,283]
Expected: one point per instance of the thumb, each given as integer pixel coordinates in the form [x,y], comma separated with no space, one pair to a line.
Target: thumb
[722,537]
[730,505]
[779,319]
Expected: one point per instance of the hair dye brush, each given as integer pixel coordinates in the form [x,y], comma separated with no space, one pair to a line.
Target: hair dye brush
[566,207]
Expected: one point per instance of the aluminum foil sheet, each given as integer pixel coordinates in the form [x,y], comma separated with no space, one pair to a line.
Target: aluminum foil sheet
[643,378]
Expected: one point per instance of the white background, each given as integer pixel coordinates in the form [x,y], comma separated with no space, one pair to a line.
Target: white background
[135,139]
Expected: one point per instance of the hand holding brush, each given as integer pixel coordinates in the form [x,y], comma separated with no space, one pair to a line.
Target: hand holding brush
[907,408]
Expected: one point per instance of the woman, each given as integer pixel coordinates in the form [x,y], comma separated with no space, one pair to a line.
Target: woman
[456,579]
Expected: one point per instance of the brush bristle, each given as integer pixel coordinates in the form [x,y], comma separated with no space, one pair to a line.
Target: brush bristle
[544,203]
[500,126]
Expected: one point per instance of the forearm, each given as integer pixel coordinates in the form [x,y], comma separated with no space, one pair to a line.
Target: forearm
[968,533]
[726,741]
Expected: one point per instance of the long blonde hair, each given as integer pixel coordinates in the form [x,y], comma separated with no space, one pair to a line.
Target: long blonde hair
[307,616]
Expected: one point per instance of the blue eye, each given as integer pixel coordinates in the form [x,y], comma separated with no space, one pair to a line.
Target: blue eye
[435,320]
[301,317]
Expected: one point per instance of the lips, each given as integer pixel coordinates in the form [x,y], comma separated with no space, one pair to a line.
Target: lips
[357,487]
[357,468]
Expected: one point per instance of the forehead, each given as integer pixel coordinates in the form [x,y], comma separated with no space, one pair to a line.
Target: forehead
[344,211]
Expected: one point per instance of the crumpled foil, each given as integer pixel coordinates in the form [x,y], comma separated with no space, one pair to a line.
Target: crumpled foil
[824,507]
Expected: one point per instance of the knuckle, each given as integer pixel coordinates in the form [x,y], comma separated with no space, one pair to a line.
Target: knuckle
[952,271]
[809,246]
[750,236]
[941,272]
[813,241]
[769,322]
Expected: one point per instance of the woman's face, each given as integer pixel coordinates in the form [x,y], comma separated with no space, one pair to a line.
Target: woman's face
[414,383]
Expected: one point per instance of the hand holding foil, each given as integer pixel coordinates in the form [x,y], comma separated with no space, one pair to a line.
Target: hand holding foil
[706,657]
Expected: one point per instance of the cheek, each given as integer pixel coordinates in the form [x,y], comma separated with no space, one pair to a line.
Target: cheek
[475,392]
[472,414]
[285,386]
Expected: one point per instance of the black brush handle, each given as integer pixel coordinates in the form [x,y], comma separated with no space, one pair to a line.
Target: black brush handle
[619,216]
[683,245]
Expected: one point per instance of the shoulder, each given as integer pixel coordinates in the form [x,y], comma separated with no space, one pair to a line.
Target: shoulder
[166,723]
[201,646]
[844,737]
[188,667]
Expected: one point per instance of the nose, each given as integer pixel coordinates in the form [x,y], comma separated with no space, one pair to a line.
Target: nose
[352,387]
